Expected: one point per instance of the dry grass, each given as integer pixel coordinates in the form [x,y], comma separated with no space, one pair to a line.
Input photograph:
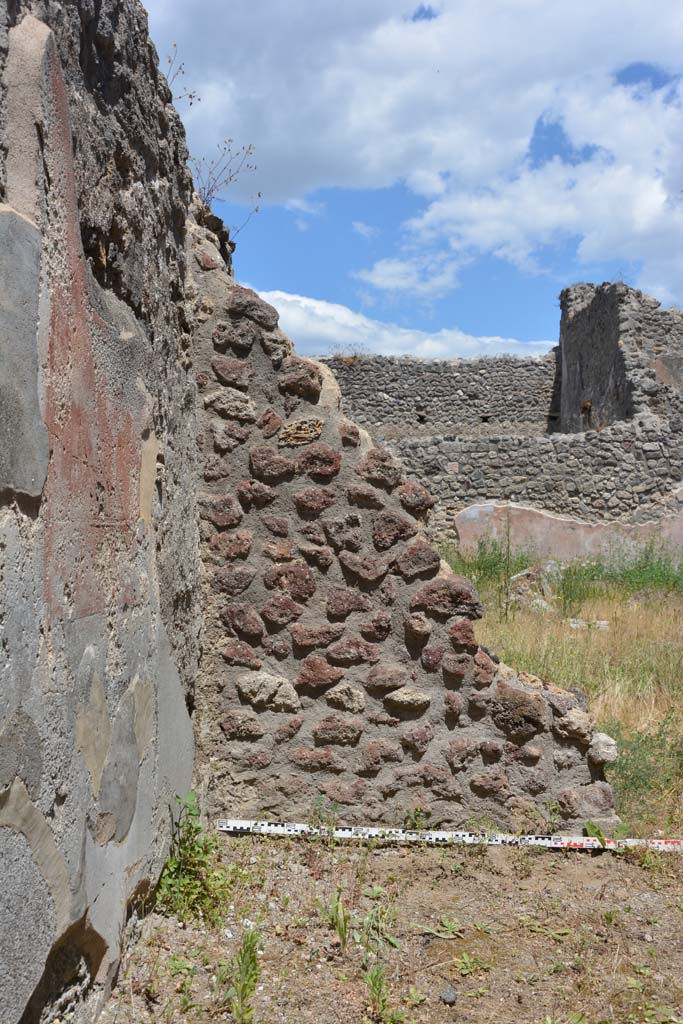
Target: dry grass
[632,673]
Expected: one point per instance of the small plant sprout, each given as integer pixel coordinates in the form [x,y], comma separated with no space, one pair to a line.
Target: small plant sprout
[376,982]
[448,928]
[241,977]
[339,917]
[175,70]
[416,820]
[212,175]
[468,964]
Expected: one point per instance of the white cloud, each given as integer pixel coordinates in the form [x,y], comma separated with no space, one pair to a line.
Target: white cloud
[364,230]
[357,95]
[425,276]
[313,209]
[322,328]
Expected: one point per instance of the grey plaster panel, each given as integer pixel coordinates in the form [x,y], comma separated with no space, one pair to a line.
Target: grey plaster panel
[24,448]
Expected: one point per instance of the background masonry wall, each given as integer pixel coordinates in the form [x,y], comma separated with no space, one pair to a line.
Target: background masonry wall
[594,430]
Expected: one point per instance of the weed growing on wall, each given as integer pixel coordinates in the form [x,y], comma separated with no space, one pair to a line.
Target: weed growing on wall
[194,884]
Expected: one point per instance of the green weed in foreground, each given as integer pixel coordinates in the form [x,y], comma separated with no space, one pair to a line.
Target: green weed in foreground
[241,977]
[194,883]
[376,982]
[339,917]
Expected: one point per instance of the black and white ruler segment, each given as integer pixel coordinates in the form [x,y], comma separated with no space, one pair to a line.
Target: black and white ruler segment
[438,837]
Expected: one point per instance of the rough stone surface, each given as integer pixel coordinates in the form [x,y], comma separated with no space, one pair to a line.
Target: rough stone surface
[99,599]
[382,633]
[334,659]
[602,414]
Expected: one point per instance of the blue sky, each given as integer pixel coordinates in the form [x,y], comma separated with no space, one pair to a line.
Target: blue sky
[433,174]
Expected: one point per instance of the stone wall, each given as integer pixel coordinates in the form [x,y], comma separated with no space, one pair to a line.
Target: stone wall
[601,440]
[340,658]
[629,471]
[621,354]
[402,396]
[99,561]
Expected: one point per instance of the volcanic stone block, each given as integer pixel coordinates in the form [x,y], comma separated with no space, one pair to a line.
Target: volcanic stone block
[254,494]
[380,468]
[295,578]
[269,466]
[224,512]
[242,725]
[269,422]
[418,628]
[446,596]
[407,699]
[233,579]
[280,610]
[349,434]
[347,698]
[230,546]
[315,636]
[317,673]
[243,302]
[232,404]
[244,620]
[339,731]
[376,754]
[277,525]
[344,532]
[352,650]
[387,676]
[321,759]
[342,601]
[300,377]
[312,501]
[518,712]
[378,627]
[389,528]
[418,560]
[415,498]
[239,335]
[235,373]
[365,568]
[461,636]
[237,652]
[263,690]
[364,497]
[320,462]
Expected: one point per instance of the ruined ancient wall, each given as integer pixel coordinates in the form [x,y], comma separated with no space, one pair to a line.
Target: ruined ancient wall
[621,354]
[629,471]
[605,445]
[340,658]
[402,396]
[99,560]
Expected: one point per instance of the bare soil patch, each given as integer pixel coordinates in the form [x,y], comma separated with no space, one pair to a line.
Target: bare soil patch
[519,935]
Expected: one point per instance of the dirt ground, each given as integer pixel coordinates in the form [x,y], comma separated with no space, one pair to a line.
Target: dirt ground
[511,935]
